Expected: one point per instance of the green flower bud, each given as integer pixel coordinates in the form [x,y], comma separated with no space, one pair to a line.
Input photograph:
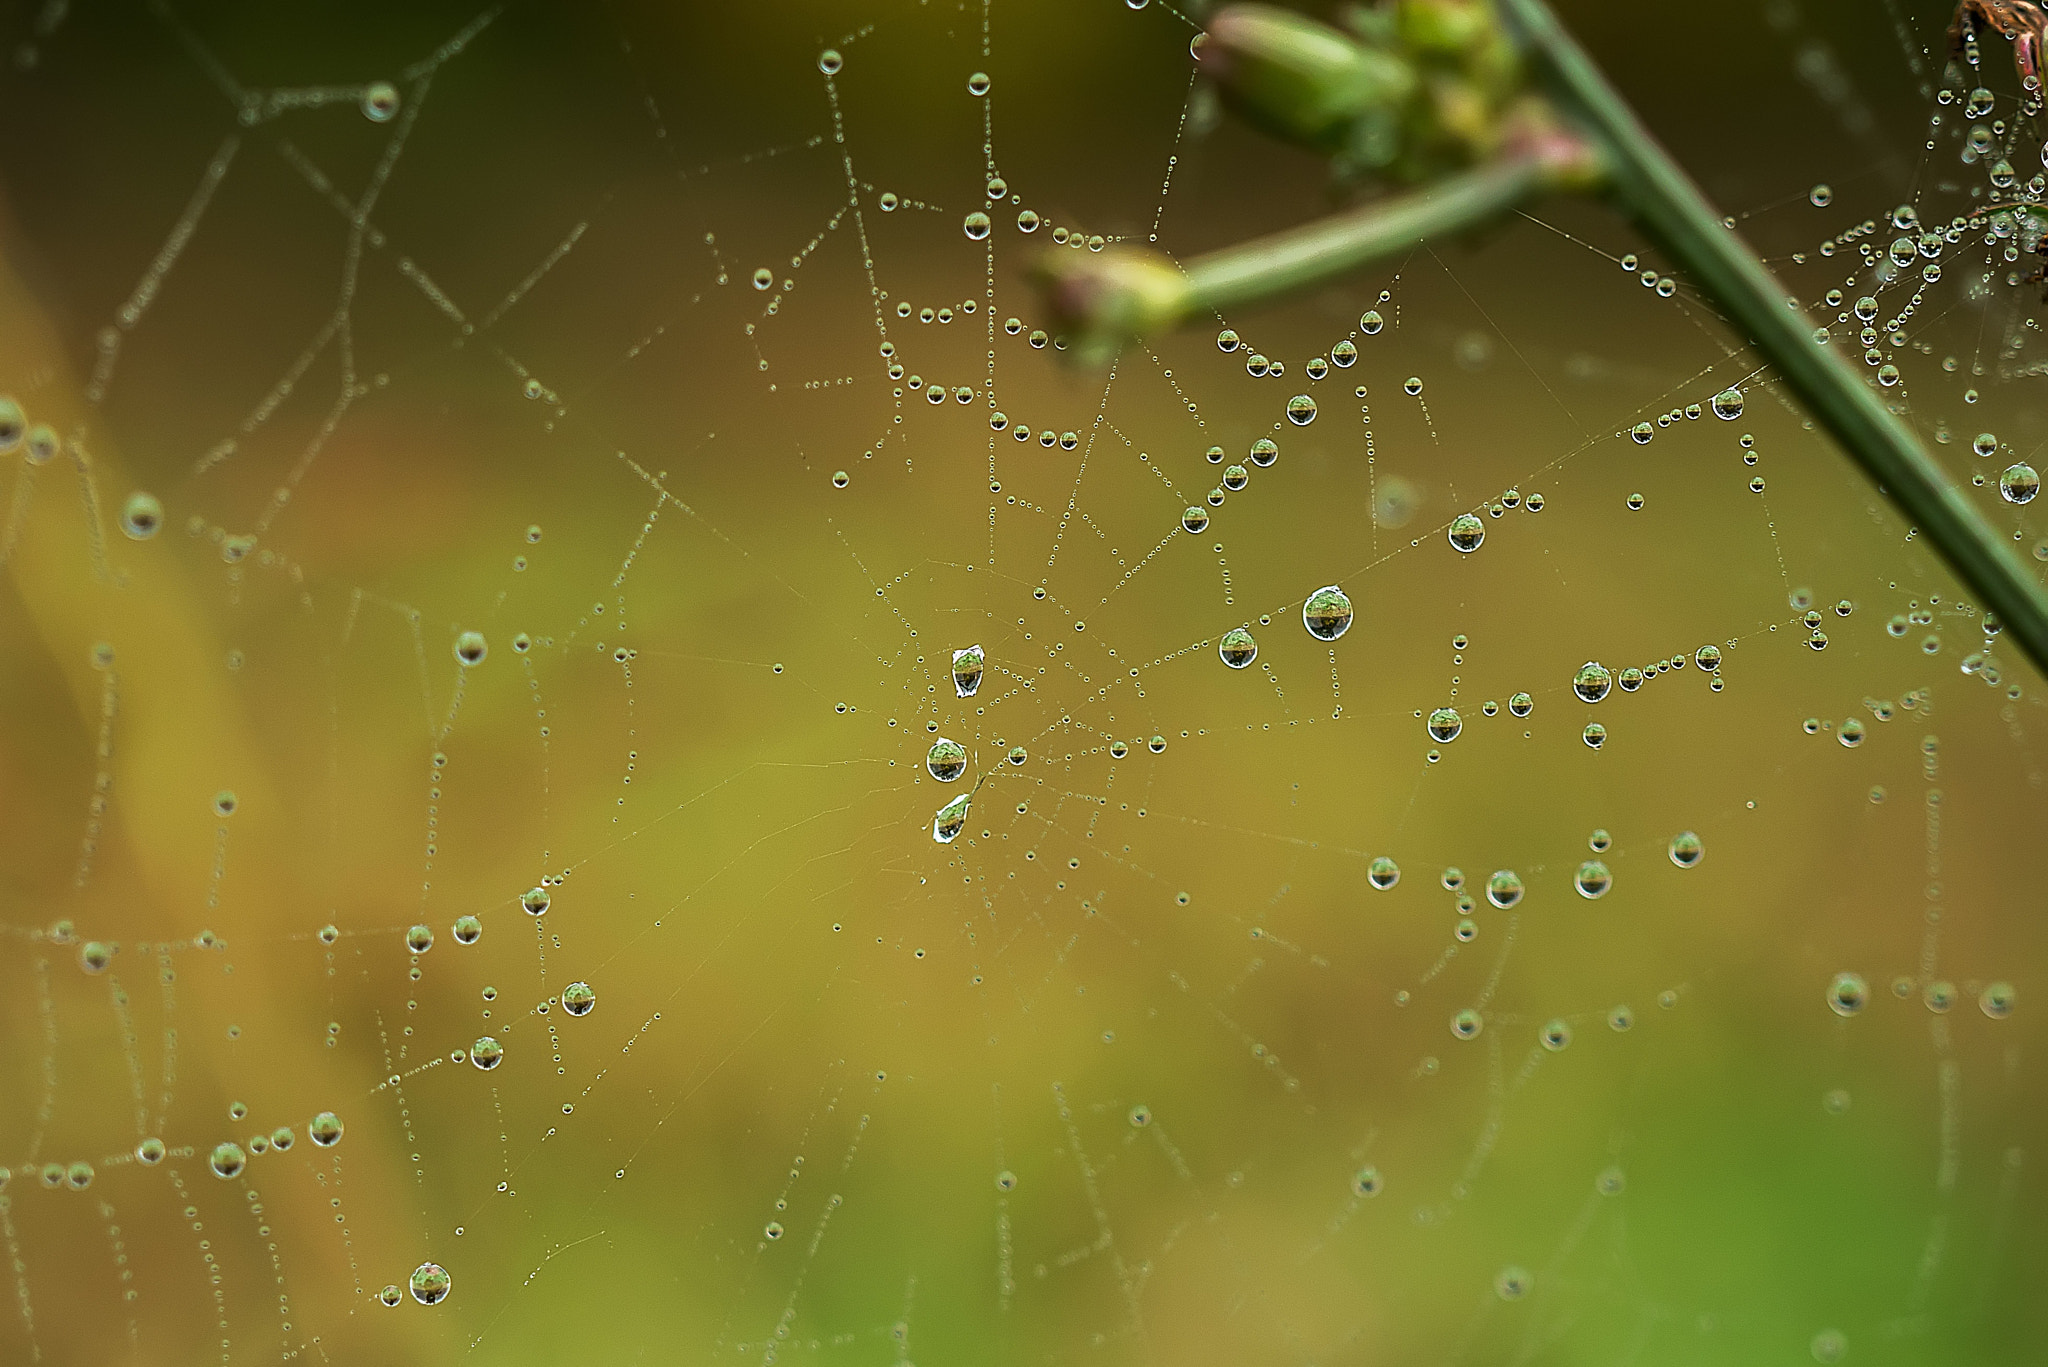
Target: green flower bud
[1102,300]
[1298,79]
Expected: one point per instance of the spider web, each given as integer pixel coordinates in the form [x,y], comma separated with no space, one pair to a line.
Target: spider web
[501,497]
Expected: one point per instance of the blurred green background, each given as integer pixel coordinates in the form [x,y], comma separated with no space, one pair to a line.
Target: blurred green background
[1141,1068]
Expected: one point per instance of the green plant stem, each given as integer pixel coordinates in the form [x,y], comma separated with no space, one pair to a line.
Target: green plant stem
[1267,266]
[1673,213]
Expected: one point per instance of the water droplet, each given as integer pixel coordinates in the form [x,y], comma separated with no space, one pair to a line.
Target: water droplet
[1195,519]
[1412,385]
[142,516]
[1445,724]
[1555,1035]
[1996,1001]
[2019,484]
[1521,704]
[977,84]
[1848,993]
[486,1053]
[1370,322]
[470,648]
[1642,432]
[1820,196]
[1593,880]
[578,999]
[430,1283]
[1592,681]
[1027,220]
[380,101]
[1728,404]
[1227,340]
[1466,532]
[1504,888]
[419,939]
[1301,410]
[1237,648]
[1707,658]
[94,956]
[975,225]
[227,1160]
[1467,1024]
[1850,733]
[325,1129]
[947,760]
[535,900]
[1595,735]
[1366,1182]
[1383,873]
[1686,850]
[468,930]
[967,667]
[1343,354]
[1264,452]
[950,820]
[1326,614]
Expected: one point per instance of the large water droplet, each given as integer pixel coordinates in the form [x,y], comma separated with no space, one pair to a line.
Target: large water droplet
[227,1160]
[380,101]
[1847,993]
[2019,484]
[1326,614]
[947,760]
[951,819]
[1466,532]
[967,666]
[142,516]
[430,1282]
[1728,404]
[1686,849]
[1237,648]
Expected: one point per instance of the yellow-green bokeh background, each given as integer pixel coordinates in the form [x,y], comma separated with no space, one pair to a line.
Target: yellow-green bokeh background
[801,998]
